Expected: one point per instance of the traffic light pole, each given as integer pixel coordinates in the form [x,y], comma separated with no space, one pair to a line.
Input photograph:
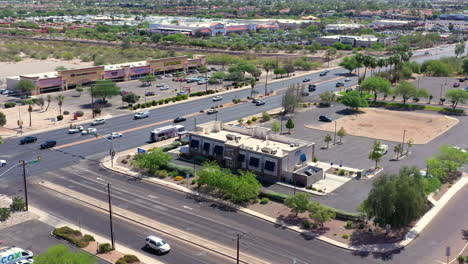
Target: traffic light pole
[23,163]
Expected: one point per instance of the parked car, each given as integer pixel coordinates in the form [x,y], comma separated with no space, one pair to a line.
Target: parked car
[2,163]
[202,82]
[325,118]
[28,139]
[179,119]
[114,135]
[255,100]
[339,84]
[161,85]
[217,98]
[461,79]
[323,73]
[347,79]
[90,130]
[163,88]
[327,71]
[157,244]
[212,111]
[98,122]
[150,94]
[48,144]
[306,80]
[456,85]
[383,149]
[259,102]
[141,115]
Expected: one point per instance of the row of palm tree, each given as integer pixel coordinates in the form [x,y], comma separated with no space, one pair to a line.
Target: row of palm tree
[393,62]
[60,99]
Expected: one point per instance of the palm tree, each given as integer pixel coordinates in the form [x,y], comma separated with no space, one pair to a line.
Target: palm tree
[373,64]
[30,109]
[49,99]
[252,85]
[381,63]
[60,100]
[268,65]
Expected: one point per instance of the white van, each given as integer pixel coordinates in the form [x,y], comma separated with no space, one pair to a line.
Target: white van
[12,255]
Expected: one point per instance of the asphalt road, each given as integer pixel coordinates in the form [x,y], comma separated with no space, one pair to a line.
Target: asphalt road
[76,167]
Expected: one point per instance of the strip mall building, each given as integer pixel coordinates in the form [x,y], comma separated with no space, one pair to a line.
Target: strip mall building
[66,79]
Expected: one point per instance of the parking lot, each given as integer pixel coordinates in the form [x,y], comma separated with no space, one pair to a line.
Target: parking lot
[438,86]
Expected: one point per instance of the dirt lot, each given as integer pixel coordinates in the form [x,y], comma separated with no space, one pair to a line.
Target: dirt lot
[389,125]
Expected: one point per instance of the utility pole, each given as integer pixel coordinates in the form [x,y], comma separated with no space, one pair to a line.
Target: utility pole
[334,136]
[110,216]
[403,142]
[206,82]
[23,163]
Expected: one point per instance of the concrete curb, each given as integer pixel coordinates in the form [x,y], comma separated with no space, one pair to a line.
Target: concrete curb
[374,248]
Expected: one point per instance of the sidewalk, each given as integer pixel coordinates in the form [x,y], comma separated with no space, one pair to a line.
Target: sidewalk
[56,222]
[373,248]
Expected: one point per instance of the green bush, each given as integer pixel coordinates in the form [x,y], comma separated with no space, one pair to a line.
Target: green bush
[88,238]
[264,200]
[174,174]
[10,104]
[79,113]
[349,224]
[18,204]
[97,111]
[266,116]
[104,248]
[180,169]
[315,159]
[66,113]
[315,226]
[127,259]
[171,146]
[4,214]
[341,172]
[254,119]
[59,117]
[345,236]
[73,236]
[274,196]
[306,224]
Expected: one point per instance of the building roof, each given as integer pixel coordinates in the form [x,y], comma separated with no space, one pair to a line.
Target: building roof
[119,66]
[43,75]
[361,38]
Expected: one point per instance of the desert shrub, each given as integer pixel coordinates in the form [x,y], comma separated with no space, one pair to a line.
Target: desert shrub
[59,117]
[178,178]
[4,214]
[10,104]
[104,248]
[66,113]
[73,236]
[345,236]
[266,116]
[341,172]
[154,103]
[97,111]
[180,169]
[315,226]
[18,204]
[174,174]
[279,197]
[349,224]
[264,200]
[162,174]
[315,159]
[127,259]
[254,119]
[88,238]
[306,224]
[79,113]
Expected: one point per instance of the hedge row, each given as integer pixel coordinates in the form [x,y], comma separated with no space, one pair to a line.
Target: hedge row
[399,106]
[160,102]
[127,259]
[73,236]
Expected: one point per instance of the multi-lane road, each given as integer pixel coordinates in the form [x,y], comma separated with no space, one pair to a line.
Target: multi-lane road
[77,167]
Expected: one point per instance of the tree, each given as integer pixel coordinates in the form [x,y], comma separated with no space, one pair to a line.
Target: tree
[457,97]
[376,85]
[320,213]
[291,100]
[406,90]
[30,109]
[398,149]
[289,125]
[104,89]
[276,126]
[460,48]
[354,100]
[40,102]
[465,67]
[409,144]
[130,98]
[350,63]
[376,153]
[152,161]
[252,86]
[60,100]
[147,80]
[396,199]
[126,43]
[25,86]
[327,139]
[60,254]
[298,202]
[327,98]
[1,141]
[49,99]
[267,66]
[331,51]
[341,133]
[3,119]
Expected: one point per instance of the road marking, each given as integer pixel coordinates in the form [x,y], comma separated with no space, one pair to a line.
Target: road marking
[100,179]
[152,196]
[186,207]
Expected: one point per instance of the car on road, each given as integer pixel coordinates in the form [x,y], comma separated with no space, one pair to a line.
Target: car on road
[312,87]
[323,73]
[90,130]
[259,102]
[150,94]
[461,79]
[212,111]
[141,115]
[427,53]
[456,85]
[325,118]
[114,135]
[28,139]
[306,80]
[73,131]
[179,119]
[48,144]
[255,100]
[157,244]
[217,98]
[98,122]
[2,163]
[327,71]
[339,84]
[347,79]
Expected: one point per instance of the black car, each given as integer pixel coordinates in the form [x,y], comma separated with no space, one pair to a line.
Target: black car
[306,80]
[29,139]
[325,119]
[312,87]
[48,144]
[323,73]
[259,102]
[179,119]
[150,94]
[461,79]
[339,84]
[255,100]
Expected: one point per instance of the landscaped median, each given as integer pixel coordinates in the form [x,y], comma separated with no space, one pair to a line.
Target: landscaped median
[89,244]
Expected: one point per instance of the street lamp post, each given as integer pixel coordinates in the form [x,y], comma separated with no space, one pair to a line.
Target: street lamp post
[23,164]
[110,216]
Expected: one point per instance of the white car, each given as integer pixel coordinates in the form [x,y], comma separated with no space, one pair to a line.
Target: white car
[141,115]
[98,122]
[89,131]
[157,244]
[164,88]
[347,79]
[2,163]
[114,135]
[161,85]
[73,130]
[217,98]
[383,149]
